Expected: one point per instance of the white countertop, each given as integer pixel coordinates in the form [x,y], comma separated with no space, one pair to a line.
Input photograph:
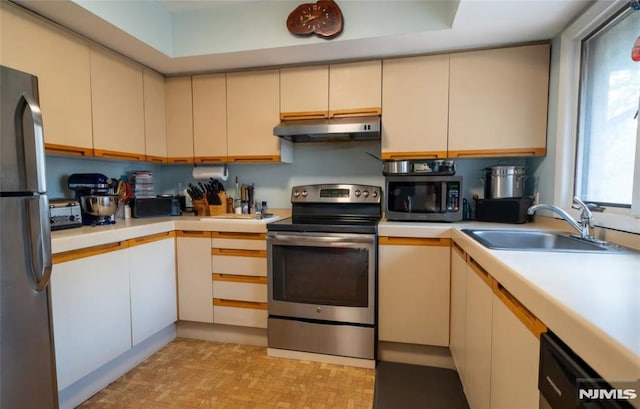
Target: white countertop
[591,301]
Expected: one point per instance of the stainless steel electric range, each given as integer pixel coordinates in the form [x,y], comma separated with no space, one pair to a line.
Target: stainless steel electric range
[322,271]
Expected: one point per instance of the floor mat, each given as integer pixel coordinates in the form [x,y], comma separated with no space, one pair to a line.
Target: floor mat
[417,387]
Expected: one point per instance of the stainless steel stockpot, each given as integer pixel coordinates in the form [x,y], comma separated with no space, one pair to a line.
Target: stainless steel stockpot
[502,182]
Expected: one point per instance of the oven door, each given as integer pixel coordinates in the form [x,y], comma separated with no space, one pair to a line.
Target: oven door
[322,276]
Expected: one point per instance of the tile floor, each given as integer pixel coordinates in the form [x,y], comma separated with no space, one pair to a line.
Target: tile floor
[200,374]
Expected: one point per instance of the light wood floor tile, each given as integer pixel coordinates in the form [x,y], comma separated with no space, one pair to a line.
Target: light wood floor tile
[192,374]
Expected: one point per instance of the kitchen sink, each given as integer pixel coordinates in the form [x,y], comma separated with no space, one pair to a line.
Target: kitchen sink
[535,240]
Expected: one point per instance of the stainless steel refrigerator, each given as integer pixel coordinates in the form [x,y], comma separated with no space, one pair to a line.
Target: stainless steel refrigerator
[27,360]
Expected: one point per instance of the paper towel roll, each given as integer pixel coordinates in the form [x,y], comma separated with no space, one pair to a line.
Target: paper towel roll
[206,172]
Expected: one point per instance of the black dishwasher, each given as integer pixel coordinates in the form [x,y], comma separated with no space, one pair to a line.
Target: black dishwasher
[566,381]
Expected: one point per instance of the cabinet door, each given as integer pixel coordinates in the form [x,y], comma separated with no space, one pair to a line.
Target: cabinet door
[498,102]
[515,352]
[304,92]
[415,99]
[155,125]
[91,314]
[195,290]
[413,290]
[477,354]
[179,105]
[458,308]
[253,109]
[209,118]
[61,63]
[117,106]
[355,89]
[153,286]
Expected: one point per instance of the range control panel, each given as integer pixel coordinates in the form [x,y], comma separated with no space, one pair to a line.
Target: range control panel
[335,193]
[64,214]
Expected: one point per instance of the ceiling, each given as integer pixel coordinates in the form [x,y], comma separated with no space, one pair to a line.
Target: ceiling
[186,36]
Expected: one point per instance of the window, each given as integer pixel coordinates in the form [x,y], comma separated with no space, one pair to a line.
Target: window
[608,124]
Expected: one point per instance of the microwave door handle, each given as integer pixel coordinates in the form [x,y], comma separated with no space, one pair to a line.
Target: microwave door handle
[444,196]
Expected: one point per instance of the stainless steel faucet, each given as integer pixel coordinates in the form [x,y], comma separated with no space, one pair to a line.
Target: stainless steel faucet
[586,217]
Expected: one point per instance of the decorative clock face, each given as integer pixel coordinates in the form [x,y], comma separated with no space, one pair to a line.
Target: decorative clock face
[322,18]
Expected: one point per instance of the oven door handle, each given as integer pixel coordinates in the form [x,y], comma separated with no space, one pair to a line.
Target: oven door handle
[292,239]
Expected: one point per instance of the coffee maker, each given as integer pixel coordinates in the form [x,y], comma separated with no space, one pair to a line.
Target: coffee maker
[96,194]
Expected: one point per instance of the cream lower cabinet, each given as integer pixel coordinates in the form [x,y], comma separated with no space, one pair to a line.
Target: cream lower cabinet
[477,344]
[413,290]
[458,308]
[152,266]
[415,99]
[60,60]
[239,266]
[193,251]
[90,301]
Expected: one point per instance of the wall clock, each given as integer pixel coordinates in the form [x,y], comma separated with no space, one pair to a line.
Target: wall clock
[322,18]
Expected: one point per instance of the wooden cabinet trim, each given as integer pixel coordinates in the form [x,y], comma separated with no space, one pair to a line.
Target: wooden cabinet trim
[151,238]
[88,252]
[482,273]
[156,159]
[238,235]
[209,159]
[101,153]
[179,160]
[304,115]
[191,233]
[67,150]
[520,311]
[239,304]
[414,241]
[456,247]
[486,153]
[239,278]
[239,253]
[253,158]
[414,155]
[346,113]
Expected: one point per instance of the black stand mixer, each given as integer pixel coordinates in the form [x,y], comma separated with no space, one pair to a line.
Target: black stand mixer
[96,194]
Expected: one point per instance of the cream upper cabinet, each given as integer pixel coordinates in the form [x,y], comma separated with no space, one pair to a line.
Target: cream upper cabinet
[355,88]
[304,92]
[415,98]
[458,308]
[413,290]
[209,118]
[253,109]
[179,105]
[498,102]
[117,106]
[155,127]
[61,63]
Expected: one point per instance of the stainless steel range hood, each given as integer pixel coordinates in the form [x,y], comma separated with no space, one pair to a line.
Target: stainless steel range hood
[363,128]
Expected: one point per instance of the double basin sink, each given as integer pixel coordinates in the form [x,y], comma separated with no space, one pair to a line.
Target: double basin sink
[534,240]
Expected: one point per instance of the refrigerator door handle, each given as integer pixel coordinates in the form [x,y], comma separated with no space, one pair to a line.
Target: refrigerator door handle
[33,147]
[39,241]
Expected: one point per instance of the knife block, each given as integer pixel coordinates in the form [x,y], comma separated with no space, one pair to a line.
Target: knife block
[215,210]
[201,207]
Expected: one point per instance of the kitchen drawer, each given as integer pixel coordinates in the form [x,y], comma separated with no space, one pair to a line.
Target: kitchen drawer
[235,288]
[239,265]
[239,241]
[244,314]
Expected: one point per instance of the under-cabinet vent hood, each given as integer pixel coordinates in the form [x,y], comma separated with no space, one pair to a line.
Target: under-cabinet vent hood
[362,128]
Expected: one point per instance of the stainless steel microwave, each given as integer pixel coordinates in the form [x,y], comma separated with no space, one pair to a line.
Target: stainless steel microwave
[425,198]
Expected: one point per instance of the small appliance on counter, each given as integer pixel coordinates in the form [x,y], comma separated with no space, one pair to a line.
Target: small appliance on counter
[96,194]
[64,214]
[426,198]
[163,205]
[504,200]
